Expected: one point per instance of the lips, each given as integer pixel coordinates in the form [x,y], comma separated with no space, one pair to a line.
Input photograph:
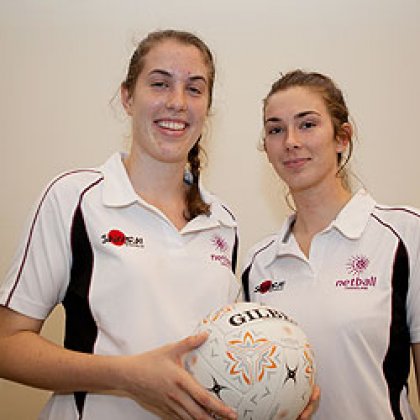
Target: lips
[295,163]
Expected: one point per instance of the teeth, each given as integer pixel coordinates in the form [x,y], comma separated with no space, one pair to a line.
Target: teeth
[171,125]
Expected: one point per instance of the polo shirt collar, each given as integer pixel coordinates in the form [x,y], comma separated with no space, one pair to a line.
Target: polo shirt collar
[351,222]
[283,243]
[119,192]
[353,218]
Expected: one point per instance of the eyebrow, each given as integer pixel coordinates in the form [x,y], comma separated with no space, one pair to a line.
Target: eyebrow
[168,74]
[296,117]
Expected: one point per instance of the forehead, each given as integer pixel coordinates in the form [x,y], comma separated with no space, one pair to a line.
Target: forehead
[176,58]
[295,100]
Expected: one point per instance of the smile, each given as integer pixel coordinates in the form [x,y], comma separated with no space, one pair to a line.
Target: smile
[172,125]
[295,163]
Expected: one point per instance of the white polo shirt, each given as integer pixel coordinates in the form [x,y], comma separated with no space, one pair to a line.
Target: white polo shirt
[357,297]
[128,279]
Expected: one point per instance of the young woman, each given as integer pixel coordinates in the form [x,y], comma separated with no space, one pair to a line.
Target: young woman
[136,251]
[346,268]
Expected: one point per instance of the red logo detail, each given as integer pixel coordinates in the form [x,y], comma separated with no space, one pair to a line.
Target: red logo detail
[116,237]
[269,286]
[265,286]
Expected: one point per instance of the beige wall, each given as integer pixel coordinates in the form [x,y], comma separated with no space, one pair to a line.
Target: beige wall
[61,63]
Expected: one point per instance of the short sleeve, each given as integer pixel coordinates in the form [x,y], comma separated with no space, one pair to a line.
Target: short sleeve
[39,273]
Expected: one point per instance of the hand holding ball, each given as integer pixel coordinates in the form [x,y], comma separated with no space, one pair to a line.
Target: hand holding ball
[257,360]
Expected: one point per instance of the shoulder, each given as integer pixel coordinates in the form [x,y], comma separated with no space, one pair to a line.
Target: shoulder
[399,217]
[402,221]
[262,250]
[226,210]
[78,180]
[66,190]
[72,183]
[218,208]
[272,243]
[398,212]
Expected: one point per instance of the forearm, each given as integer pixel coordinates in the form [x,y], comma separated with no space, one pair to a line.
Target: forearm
[32,360]
[154,379]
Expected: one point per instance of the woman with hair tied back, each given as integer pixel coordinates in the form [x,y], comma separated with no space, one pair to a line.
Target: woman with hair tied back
[346,268]
[128,249]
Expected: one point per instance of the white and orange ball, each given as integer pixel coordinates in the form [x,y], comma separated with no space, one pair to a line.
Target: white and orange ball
[256,360]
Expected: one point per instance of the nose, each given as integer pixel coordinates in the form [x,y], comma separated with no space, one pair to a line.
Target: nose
[292,139]
[177,100]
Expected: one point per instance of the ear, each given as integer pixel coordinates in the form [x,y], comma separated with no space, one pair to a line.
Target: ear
[343,137]
[126,99]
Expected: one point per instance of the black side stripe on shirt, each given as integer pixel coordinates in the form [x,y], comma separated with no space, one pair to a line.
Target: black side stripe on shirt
[81,329]
[31,230]
[245,274]
[245,283]
[396,365]
[236,244]
[235,252]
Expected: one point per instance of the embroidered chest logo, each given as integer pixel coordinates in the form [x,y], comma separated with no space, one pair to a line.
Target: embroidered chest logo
[267,286]
[221,247]
[356,266]
[219,243]
[117,238]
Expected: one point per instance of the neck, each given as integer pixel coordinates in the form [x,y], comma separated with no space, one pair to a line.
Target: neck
[317,208]
[160,184]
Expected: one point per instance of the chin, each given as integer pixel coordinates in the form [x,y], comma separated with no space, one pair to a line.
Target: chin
[171,158]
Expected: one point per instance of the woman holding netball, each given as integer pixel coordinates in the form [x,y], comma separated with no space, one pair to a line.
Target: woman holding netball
[126,248]
[346,268]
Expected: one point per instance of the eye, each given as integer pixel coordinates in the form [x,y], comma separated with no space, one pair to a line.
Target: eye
[274,130]
[159,84]
[307,125]
[194,90]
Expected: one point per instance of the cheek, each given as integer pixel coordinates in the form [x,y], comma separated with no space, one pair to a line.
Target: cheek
[202,116]
[329,156]
[202,112]
[199,118]
[272,150]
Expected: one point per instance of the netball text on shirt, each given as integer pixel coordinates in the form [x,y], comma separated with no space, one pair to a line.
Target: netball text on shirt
[356,266]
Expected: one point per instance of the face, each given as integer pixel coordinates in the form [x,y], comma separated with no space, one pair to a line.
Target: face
[169,103]
[299,139]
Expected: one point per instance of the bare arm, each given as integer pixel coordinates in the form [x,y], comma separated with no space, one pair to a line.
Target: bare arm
[30,359]
[416,356]
[155,379]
